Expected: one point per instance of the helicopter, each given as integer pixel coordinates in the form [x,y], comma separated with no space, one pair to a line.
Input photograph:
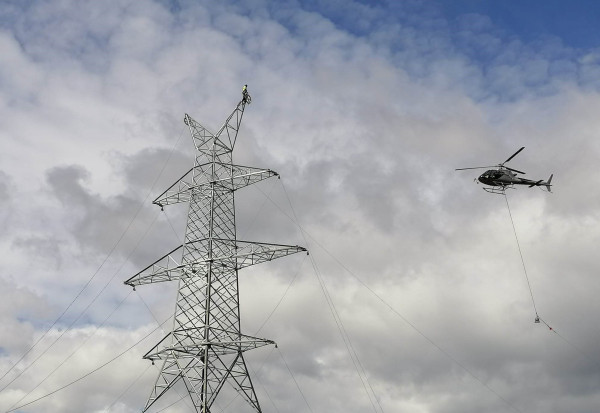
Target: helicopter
[504,177]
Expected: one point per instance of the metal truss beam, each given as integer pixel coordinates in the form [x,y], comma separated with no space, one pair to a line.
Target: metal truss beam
[242,254]
[203,178]
[205,347]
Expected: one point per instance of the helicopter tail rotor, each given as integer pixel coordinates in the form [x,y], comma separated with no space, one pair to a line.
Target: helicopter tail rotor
[541,182]
[548,183]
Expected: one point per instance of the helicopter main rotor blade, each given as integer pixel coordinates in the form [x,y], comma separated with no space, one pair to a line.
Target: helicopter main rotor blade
[513,155]
[475,167]
[514,170]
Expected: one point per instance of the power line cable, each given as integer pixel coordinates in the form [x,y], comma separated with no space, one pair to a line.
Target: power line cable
[181,397]
[258,331]
[253,220]
[73,352]
[295,381]
[68,306]
[81,314]
[338,320]
[90,372]
[583,353]
[282,297]
[346,339]
[258,374]
[159,326]
[128,388]
[172,404]
[95,272]
[444,352]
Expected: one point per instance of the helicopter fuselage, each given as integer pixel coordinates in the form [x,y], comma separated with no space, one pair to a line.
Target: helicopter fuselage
[506,178]
[494,177]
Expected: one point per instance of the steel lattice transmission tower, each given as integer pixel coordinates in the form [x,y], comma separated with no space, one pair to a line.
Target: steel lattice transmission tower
[205,347]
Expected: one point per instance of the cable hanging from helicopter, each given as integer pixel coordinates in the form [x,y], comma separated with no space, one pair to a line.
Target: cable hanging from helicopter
[499,180]
[503,177]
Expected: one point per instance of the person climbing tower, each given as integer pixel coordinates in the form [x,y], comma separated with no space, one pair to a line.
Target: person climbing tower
[245,95]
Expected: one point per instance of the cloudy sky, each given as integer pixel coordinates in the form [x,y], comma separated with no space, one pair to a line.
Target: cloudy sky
[414,298]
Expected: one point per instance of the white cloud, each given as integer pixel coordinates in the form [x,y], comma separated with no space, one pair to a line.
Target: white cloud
[366,127]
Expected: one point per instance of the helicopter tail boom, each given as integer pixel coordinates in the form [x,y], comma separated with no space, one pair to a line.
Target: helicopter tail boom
[541,183]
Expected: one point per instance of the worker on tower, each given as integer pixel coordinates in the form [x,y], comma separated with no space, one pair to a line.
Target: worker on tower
[245,95]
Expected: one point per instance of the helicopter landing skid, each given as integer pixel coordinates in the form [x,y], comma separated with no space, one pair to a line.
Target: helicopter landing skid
[499,191]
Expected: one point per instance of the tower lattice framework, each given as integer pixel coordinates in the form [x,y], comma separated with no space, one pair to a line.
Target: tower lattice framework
[205,348]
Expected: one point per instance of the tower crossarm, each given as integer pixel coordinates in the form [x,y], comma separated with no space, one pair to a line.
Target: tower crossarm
[166,268]
[231,253]
[234,177]
[180,191]
[201,177]
[225,343]
[251,253]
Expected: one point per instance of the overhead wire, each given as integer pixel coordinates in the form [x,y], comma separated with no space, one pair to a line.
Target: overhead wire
[114,310]
[422,334]
[258,376]
[282,297]
[73,352]
[583,353]
[96,272]
[181,397]
[329,300]
[253,220]
[361,372]
[160,325]
[82,313]
[111,251]
[295,381]
[12,409]
[339,323]
[382,300]
[128,387]
[71,303]
[262,326]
